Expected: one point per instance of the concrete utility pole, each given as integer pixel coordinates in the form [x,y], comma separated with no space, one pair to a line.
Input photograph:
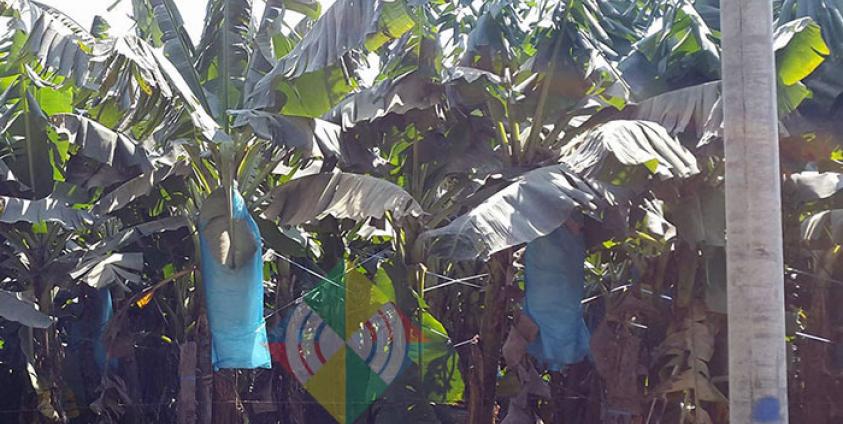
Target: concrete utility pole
[757,360]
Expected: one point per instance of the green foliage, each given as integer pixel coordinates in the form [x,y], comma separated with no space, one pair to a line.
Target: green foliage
[417,139]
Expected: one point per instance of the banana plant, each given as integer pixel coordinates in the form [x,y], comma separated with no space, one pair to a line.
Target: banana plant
[427,141]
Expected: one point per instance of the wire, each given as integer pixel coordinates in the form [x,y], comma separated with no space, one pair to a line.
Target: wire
[295,301]
[474,340]
[809,274]
[305,269]
[614,290]
[374,256]
[813,337]
[299,299]
[451,281]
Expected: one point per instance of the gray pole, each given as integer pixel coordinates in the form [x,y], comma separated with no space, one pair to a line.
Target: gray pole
[757,359]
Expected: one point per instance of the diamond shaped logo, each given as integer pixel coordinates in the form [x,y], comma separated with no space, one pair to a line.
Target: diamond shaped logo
[346,343]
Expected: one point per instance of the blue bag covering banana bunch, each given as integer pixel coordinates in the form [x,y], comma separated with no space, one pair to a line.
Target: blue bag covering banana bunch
[554,278]
[232,273]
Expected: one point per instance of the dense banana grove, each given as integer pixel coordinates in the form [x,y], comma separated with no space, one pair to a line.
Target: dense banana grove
[159,195]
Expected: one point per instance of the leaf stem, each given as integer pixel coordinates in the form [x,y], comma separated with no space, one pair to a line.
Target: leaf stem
[538,114]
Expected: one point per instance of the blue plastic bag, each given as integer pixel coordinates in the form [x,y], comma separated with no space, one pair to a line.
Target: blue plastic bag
[104,313]
[554,278]
[87,331]
[234,294]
